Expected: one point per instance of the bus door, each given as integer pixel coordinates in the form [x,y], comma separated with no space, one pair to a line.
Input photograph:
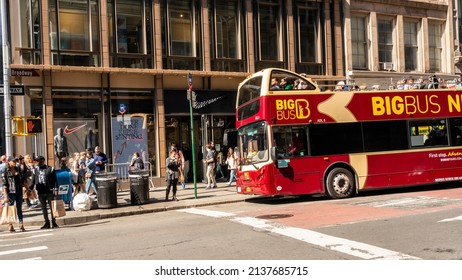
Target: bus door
[296,172]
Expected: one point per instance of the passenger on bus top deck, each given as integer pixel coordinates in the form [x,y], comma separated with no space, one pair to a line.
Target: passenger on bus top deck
[275,84]
[401,83]
[341,86]
[409,84]
[296,84]
[285,85]
[304,84]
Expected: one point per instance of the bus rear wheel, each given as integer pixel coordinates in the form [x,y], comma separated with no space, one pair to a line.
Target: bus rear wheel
[340,183]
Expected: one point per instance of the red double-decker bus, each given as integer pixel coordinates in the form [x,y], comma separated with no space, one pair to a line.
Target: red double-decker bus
[295,139]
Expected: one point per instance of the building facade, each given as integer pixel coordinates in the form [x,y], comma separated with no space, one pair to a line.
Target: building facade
[114,73]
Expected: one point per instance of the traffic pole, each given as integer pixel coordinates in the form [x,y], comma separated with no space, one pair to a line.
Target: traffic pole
[6,82]
[190,94]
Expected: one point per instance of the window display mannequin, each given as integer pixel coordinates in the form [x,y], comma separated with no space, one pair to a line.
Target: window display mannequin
[60,144]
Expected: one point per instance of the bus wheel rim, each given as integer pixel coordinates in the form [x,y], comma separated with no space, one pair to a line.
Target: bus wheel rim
[341,183]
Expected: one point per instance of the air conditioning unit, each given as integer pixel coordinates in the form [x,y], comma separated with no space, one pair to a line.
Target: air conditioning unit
[387,66]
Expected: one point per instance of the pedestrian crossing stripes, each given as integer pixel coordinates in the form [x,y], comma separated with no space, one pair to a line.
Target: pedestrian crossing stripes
[350,247]
[23,245]
[23,250]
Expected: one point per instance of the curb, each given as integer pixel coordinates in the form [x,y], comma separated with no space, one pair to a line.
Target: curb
[92,215]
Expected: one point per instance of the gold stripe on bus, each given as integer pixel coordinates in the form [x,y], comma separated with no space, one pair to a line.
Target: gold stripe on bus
[359,163]
[336,107]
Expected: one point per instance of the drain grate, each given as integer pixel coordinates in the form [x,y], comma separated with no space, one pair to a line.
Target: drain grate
[274,216]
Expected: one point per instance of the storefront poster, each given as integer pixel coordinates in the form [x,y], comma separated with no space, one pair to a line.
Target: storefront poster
[128,136]
[76,132]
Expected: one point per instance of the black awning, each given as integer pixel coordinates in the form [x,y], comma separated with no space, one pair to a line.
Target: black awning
[207,102]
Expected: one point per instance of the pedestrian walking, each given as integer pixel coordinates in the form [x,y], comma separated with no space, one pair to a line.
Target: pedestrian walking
[173,164]
[100,160]
[231,161]
[12,190]
[44,180]
[210,163]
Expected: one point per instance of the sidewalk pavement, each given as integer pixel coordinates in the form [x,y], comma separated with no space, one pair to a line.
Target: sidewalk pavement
[220,195]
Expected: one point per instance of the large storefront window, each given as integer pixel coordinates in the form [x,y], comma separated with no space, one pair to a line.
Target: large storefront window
[122,124]
[29,15]
[133,126]
[226,31]
[269,31]
[79,114]
[181,34]
[130,36]
[74,32]
[309,38]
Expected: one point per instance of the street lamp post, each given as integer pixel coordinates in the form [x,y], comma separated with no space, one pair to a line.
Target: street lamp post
[6,84]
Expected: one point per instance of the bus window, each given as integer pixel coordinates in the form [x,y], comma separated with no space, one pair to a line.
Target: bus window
[456,132]
[290,141]
[254,143]
[281,80]
[428,133]
[385,136]
[250,90]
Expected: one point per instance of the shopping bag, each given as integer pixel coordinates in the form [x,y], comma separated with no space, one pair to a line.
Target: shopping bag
[9,215]
[180,176]
[57,207]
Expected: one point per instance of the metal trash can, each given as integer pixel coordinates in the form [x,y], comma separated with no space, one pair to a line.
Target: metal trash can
[139,186]
[107,189]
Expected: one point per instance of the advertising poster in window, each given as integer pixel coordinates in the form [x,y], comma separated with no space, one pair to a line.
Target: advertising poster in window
[81,134]
[129,135]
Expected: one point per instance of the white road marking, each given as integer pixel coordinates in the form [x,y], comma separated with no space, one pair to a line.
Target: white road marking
[353,248]
[210,213]
[33,259]
[24,250]
[411,202]
[451,219]
[30,237]
[27,232]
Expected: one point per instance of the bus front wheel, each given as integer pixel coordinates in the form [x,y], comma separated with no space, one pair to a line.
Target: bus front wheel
[340,183]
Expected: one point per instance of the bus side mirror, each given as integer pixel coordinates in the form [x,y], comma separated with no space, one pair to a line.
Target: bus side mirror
[273,154]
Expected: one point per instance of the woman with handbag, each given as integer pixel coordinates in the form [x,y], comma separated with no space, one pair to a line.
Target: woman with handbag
[12,189]
[231,161]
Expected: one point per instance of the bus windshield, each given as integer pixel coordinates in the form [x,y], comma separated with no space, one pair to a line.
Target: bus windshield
[253,143]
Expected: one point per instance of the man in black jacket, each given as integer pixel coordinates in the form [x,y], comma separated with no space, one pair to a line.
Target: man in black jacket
[44,180]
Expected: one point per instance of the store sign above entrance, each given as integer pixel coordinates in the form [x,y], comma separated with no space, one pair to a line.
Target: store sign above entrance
[24,73]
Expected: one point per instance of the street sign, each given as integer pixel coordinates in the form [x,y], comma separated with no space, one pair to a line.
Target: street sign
[14,90]
[190,81]
[24,73]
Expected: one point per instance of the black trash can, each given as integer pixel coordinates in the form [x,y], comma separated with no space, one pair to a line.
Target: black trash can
[107,190]
[139,187]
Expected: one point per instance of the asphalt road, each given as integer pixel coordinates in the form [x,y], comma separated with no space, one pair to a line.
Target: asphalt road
[404,224]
